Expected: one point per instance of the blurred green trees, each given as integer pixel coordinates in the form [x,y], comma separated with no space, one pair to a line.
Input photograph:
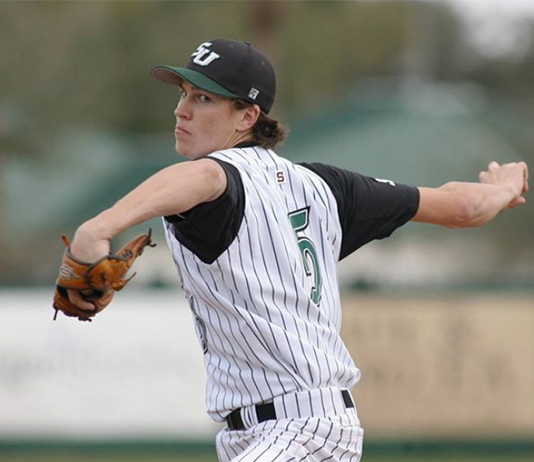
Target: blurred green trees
[87,63]
[75,66]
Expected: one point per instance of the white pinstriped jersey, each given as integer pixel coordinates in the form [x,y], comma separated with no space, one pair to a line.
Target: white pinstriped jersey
[267,310]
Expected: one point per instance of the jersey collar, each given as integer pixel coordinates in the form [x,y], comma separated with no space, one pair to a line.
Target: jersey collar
[246,144]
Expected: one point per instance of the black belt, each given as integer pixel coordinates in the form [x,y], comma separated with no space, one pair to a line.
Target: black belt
[267,412]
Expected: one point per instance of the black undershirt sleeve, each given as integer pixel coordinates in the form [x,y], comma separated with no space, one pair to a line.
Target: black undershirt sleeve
[368,209]
[208,229]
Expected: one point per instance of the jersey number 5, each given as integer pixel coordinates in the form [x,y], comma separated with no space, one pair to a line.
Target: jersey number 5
[299,221]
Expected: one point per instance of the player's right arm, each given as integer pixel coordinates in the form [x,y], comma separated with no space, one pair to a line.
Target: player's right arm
[464,205]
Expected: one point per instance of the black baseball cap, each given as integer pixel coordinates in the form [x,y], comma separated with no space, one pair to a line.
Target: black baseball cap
[227,68]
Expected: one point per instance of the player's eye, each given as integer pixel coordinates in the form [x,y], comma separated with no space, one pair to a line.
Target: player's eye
[183,94]
[204,98]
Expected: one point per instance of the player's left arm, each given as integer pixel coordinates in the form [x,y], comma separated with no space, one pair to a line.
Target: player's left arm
[173,190]
[464,205]
[170,191]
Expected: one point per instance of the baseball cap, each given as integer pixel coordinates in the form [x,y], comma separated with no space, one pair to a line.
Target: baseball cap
[227,68]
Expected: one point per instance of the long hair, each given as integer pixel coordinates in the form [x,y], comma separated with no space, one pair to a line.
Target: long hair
[267,132]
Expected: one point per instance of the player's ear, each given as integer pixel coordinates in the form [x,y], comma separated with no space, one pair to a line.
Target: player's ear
[249,116]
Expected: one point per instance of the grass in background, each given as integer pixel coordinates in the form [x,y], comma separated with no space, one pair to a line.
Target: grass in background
[202,451]
[180,457]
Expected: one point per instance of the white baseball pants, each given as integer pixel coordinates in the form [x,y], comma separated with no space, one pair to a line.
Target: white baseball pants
[334,436]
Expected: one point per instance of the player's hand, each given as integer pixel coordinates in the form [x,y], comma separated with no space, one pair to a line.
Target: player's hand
[514,175]
[86,247]
[90,275]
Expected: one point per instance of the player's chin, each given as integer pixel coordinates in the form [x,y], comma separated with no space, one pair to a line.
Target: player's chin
[191,152]
[182,148]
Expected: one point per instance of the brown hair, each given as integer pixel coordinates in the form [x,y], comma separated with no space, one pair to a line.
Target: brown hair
[267,132]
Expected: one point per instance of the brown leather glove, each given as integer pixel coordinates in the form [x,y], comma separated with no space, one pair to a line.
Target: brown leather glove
[97,282]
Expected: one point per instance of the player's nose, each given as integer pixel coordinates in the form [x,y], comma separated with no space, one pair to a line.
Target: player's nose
[182,110]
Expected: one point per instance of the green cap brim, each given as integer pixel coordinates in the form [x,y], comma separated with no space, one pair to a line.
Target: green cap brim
[176,75]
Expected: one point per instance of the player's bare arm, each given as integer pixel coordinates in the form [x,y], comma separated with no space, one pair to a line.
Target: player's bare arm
[171,191]
[464,205]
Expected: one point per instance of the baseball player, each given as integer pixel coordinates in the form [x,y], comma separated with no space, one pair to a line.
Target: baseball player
[256,239]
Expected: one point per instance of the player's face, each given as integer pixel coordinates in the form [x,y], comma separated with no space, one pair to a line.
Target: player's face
[205,123]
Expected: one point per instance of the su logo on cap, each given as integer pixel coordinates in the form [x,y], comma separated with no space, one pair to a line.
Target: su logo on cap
[204,56]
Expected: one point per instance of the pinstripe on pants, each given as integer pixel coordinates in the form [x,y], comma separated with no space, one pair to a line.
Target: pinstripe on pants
[334,439]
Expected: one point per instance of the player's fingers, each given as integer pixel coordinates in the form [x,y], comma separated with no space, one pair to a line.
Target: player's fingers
[76,298]
[525,176]
[517,201]
[483,176]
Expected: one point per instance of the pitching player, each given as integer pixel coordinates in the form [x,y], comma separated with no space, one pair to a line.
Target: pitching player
[256,239]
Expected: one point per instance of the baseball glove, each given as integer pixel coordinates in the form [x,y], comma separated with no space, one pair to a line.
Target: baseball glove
[97,282]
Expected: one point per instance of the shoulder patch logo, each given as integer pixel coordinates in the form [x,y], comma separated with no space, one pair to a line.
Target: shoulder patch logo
[280,176]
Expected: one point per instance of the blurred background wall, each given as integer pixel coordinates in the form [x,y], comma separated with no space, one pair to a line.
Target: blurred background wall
[421,92]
